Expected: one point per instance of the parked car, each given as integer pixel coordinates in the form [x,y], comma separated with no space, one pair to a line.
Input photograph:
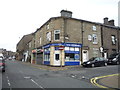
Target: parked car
[114,59]
[2,64]
[95,61]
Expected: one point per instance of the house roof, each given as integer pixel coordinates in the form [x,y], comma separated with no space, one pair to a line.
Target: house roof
[27,35]
[97,23]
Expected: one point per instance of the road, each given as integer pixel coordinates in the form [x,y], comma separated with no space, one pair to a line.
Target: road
[20,75]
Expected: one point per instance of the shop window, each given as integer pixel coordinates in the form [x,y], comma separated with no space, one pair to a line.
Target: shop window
[71,48]
[67,48]
[76,49]
[47,57]
[57,35]
[67,57]
[71,56]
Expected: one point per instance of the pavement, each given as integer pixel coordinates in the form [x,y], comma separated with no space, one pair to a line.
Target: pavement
[108,81]
[47,67]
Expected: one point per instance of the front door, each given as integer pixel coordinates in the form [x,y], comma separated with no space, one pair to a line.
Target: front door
[85,55]
[57,58]
[105,55]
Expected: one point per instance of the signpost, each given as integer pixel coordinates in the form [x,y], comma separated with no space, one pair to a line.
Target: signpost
[61,48]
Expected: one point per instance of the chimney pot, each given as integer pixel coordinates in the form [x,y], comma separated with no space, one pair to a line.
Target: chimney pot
[111,22]
[106,20]
[65,13]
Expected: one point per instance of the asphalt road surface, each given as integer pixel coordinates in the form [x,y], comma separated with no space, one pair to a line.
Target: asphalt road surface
[20,75]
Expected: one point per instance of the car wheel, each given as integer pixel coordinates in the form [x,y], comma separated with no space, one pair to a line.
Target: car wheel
[93,65]
[118,63]
[3,70]
[105,64]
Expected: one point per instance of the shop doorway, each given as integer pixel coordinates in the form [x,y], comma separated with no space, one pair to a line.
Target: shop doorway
[57,58]
[85,55]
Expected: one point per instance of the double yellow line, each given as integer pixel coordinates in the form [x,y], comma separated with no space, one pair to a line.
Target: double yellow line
[93,80]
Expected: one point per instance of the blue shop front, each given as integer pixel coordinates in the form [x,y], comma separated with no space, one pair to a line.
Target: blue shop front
[62,54]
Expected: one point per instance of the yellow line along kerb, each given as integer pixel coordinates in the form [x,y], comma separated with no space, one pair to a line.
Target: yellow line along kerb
[93,80]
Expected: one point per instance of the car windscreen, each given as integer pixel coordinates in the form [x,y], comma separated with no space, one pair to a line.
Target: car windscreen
[112,56]
[92,59]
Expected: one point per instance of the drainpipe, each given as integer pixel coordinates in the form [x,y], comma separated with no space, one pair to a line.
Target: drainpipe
[64,28]
[118,37]
[82,40]
[65,22]
[102,39]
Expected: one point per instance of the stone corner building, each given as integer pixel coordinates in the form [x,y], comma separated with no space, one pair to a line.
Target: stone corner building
[65,40]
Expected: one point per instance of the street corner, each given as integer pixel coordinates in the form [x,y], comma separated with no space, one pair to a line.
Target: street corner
[107,81]
[44,67]
[50,68]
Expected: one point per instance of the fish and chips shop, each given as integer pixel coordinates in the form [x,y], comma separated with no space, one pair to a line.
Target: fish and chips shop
[62,54]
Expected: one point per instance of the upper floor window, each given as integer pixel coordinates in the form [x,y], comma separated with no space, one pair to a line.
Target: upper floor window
[48,26]
[56,34]
[95,39]
[113,39]
[30,44]
[90,37]
[48,36]
[94,28]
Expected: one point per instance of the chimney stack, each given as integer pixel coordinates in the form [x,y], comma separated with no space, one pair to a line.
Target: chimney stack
[106,20]
[65,13]
[111,22]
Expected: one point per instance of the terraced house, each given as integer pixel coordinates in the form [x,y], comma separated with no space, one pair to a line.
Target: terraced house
[65,40]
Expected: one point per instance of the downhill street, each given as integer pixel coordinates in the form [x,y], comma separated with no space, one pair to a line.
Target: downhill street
[21,75]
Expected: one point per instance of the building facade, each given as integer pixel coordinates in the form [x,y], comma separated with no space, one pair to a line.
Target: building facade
[64,40]
[119,13]
[22,47]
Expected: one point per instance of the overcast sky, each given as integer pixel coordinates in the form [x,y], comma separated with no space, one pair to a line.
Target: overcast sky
[21,17]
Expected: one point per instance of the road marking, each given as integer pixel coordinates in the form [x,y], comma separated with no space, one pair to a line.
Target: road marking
[93,80]
[27,77]
[8,81]
[37,84]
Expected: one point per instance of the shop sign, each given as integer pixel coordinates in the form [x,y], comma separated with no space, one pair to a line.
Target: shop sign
[73,45]
[64,44]
[77,57]
[57,44]
[47,46]
[77,52]
[34,51]
[40,50]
